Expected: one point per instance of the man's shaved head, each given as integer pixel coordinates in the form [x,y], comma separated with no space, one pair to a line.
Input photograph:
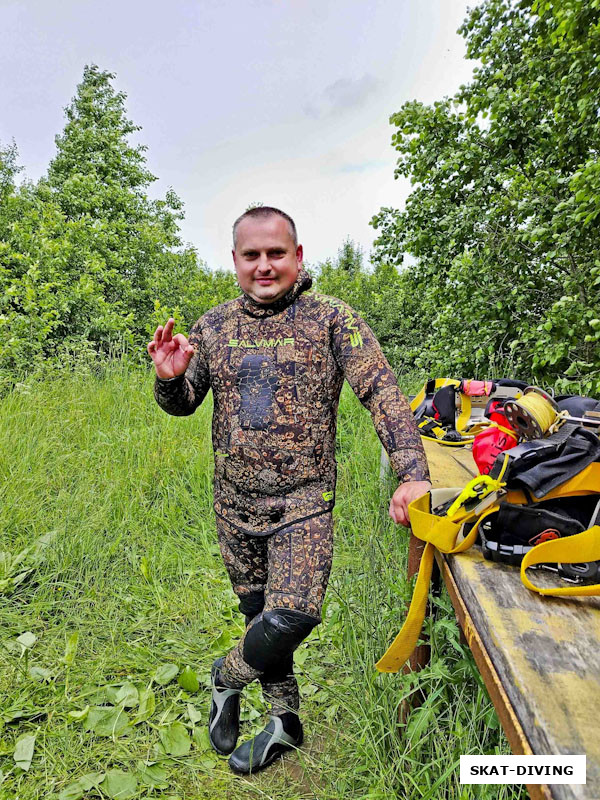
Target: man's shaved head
[261,212]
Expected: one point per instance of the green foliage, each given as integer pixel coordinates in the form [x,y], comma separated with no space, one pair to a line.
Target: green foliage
[98,664]
[88,263]
[380,295]
[503,215]
[8,169]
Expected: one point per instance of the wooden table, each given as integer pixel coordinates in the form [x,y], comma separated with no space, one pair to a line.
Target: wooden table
[539,656]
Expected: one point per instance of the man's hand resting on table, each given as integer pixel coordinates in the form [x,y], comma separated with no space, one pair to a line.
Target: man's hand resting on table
[403,496]
[171,354]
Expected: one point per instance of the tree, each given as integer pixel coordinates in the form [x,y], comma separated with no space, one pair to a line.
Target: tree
[8,170]
[99,180]
[87,260]
[350,257]
[345,276]
[374,293]
[503,216]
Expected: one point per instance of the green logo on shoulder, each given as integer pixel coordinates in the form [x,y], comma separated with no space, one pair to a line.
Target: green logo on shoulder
[327,496]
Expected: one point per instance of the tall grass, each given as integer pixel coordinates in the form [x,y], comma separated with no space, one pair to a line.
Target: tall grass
[122,494]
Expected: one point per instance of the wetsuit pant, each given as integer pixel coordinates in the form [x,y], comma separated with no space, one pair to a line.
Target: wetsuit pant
[285,573]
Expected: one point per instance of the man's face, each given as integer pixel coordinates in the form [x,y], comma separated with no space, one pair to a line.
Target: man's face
[266,260]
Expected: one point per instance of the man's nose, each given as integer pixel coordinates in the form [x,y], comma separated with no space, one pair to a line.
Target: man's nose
[264,263]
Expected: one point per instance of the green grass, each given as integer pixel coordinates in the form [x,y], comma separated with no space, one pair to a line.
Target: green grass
[128,578]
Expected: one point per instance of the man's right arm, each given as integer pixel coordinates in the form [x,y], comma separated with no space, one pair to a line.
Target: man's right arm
[182,394]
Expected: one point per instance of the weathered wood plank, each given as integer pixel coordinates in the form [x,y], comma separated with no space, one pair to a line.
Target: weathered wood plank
[449,466]
[546,652]
[543,651]
[510,722]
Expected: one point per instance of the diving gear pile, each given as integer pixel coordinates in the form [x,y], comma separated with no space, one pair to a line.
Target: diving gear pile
[538,507]
[452,412]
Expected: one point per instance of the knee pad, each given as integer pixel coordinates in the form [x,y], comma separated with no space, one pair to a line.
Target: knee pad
[275,636]
[279,673]
[252,604]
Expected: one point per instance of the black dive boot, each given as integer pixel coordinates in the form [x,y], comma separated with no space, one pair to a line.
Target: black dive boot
[281,734]
[224,719]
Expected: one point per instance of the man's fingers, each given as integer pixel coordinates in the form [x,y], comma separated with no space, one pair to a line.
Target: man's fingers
[396,513]
[400,514]
[168,330]
[162,335]
[392,511]
[399,507]
[404,495]
[181,341]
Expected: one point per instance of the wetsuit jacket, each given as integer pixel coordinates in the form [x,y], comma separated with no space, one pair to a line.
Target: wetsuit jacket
[276,372]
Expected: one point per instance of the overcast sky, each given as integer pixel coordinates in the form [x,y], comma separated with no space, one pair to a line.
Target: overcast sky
[283,102]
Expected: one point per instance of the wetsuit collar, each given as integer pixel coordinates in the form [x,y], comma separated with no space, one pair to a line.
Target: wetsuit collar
[254,309]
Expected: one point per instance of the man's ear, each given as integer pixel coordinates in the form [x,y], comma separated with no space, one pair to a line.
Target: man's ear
[299,255]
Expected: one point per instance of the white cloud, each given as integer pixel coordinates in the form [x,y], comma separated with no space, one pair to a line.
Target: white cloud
[343,94]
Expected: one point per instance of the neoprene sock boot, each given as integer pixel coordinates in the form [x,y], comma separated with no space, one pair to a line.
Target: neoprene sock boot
[282,733]
[224,718]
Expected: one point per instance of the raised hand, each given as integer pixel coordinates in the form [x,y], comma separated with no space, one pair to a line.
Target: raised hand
[171,354]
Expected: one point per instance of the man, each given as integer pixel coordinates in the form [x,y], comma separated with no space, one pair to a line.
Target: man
[276,359]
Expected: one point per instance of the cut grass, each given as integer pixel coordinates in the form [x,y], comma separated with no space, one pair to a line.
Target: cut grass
[133,569]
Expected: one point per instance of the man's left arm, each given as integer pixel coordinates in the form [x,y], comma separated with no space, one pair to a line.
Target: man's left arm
[368,372]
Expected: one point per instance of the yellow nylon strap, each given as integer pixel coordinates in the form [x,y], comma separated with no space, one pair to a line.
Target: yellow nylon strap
[443,533]
[477,427]
[465,413]
[405,642]
[575,549]
[464,441]
[586,482]
[434,432]
[437,433]
[507,431]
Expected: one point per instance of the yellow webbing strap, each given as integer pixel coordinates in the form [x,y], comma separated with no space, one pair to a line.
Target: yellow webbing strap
[575,549]
[461,443]
[507,431]
[581,547]
[436,434]
[445,533]
[405,642]
[585,482]
[477,427]
[465,413]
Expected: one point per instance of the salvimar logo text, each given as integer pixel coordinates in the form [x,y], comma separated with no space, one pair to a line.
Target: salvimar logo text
[251,344]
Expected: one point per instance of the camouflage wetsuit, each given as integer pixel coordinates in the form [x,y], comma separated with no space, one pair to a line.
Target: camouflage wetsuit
[276,372]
